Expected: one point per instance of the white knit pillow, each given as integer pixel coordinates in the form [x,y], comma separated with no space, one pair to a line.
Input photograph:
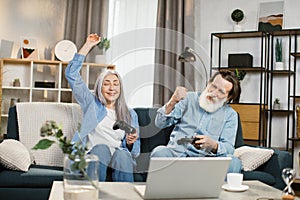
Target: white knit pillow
[253,157]
[14,155]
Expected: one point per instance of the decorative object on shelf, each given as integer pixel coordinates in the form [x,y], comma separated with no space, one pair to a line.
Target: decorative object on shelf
[16,82]
[64,50]
[189,56]
[276,104]
[288,176]
[6,48]
[29,48]
[240,74]
[270,17]
[278,54]
[80,169]
[240,60]
[237,16]
[103,46]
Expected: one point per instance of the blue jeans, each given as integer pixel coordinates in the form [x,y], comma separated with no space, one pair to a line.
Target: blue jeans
[235,165]
[121,163]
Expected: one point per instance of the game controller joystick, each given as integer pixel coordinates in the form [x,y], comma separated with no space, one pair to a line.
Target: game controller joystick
[123,126]
[187,140]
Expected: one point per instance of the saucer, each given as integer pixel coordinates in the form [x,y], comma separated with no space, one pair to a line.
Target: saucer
[235,189]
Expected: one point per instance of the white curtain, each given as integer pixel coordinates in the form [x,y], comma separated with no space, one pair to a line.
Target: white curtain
[131,30]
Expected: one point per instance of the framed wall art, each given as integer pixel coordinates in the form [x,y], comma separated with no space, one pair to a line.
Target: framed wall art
[270,16]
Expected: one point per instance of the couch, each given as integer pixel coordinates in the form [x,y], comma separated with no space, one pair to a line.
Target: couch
[36,183]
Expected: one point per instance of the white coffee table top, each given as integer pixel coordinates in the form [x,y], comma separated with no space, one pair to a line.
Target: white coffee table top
[121,190]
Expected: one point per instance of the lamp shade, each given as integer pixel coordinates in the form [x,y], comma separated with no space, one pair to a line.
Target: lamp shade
[189,55]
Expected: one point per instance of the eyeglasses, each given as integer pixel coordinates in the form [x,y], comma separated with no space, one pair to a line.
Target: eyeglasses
[220,93]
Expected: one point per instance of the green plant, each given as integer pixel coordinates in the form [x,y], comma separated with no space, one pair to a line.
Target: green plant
[73,150]
[104,44]
[277,101]
[240,74]
[278,50]
[237,15]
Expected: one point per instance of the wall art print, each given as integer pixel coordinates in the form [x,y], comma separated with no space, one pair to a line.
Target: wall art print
[270,16]
[29,48]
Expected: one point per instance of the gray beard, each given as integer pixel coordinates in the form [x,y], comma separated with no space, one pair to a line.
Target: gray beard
[209,106]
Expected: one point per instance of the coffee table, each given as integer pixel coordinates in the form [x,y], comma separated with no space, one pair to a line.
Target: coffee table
[123,190]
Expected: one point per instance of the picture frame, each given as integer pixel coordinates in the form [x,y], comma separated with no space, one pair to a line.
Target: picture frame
[29,48]
[270,16]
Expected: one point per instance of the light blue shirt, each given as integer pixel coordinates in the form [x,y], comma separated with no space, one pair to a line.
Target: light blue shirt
[93,110]
[190,119]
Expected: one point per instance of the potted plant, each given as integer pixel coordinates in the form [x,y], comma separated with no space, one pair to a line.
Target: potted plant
[276,104]
[240,74]
[80,169]
[278,54]
[237,16]
[103,46]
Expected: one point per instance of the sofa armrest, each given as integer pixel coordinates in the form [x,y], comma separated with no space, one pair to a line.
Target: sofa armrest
[274,166]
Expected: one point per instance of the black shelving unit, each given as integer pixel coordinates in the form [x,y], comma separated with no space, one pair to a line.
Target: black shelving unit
[267,74]
[261,138]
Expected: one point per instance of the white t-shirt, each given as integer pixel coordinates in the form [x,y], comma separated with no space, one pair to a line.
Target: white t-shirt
[104,133]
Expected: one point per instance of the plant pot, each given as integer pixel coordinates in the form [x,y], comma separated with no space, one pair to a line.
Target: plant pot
[237,28]
[16,83]
[276,106]
[81,184]
[101,59]
[279,66]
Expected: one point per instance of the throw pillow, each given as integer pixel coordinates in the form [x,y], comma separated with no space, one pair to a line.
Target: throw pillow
[253,157]
[14,155]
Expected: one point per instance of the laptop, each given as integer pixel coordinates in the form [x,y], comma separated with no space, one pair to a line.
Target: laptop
[188,177]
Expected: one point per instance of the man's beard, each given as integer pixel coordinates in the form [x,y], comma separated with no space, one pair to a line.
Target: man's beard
[210,106]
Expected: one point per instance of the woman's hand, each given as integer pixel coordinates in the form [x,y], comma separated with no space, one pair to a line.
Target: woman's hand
[91,41]
[131,138]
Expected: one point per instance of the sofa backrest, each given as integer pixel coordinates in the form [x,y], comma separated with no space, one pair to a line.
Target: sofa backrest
[29,119]
[150,135]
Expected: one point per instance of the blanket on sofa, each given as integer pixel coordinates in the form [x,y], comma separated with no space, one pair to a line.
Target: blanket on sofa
[31,117]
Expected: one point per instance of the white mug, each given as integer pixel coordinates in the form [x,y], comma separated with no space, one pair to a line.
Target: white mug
[234,180]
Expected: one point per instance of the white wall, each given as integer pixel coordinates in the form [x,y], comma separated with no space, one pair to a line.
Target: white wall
[220,21]
[39,19]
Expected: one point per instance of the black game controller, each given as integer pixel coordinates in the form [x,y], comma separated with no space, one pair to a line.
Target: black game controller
[123,126]
[187,140]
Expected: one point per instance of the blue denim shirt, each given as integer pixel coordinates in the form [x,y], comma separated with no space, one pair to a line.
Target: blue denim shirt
[190,119]
[93,110]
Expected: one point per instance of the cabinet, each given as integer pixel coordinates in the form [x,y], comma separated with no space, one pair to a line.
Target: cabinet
[251,109]
[40,80]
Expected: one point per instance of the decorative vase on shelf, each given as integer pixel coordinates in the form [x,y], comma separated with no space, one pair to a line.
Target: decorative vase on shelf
[100,58]
[81,178]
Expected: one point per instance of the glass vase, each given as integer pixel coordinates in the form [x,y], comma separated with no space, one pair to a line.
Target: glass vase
[81,178]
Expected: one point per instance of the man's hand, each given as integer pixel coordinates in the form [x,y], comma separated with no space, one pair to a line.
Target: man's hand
[178,95]
[204,142]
